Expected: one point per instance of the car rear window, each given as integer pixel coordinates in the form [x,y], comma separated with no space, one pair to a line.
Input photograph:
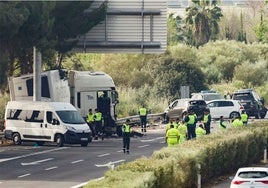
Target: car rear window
[242,96]
[212,97]
[253,174]
[226,103]
[197,103]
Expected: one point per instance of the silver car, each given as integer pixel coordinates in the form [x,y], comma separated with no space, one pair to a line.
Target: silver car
[179,107]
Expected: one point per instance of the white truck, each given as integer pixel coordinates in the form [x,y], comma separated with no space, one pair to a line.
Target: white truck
[83,89]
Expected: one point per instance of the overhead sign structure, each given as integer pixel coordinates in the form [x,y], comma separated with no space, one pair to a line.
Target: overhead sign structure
[132,26]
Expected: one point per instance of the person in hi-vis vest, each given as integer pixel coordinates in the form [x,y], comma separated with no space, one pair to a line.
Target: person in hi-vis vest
[143,118]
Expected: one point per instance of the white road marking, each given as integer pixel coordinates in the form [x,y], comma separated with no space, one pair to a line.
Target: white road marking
[32,154]
[79,185]
[109,164]
[151,140]
[51,168]
[143,146]
[83,184]
[120,151]
[105,154]
[24,175]
[163,142]
[78,161]
[36,162]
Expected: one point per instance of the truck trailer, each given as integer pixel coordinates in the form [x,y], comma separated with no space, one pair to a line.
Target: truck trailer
[83,89]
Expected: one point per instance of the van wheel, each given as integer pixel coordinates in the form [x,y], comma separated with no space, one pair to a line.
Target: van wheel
[16,139]
[84,144]
[59,140]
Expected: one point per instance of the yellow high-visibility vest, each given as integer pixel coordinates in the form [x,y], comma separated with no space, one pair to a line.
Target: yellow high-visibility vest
[90,118]
[143,111]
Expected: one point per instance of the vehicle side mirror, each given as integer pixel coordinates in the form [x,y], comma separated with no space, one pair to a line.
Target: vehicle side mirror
[55,122]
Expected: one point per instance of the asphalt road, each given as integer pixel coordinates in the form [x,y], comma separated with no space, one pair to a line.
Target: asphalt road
[69,166]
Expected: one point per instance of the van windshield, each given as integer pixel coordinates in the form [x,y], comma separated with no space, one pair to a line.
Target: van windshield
[70,117]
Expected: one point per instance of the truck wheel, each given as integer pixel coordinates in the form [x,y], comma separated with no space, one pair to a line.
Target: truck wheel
[16,139]
[59,140]
[84,144]
[258,115]
[118,131]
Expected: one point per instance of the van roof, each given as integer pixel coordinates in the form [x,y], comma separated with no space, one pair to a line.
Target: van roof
[31,105]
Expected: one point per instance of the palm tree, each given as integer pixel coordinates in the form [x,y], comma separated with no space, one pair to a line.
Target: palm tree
[202,21]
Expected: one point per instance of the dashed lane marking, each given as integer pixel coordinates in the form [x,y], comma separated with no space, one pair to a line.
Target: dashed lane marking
[105,154]
[143,146]
[51,168]
[31,154]
[24,175]
[78,161]
[36,162]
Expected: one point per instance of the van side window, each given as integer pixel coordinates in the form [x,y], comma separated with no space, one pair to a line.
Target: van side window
[13,113]
[35,116]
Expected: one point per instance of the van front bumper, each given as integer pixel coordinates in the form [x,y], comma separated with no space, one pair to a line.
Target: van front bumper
[77,138]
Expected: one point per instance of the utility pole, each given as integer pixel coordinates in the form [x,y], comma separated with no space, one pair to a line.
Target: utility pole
[37,59]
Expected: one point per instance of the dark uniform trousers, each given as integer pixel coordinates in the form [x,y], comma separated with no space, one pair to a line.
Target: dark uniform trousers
[126,141]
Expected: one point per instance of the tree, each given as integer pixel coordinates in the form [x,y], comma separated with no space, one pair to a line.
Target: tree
[202,21]
[43,24]
[79,20]
[252,74]
[261,30]
[172,73]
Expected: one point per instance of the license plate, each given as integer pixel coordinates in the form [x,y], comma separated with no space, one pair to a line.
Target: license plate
[84,139]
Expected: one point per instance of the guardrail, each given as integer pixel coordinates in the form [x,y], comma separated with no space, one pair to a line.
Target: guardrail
[1,137]
[151,119]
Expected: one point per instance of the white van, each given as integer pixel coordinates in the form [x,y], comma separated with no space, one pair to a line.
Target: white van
[41,122]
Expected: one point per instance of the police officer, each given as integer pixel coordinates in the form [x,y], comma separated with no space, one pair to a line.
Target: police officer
[143,118]
[191,121]
[222,124]
[244,117]
[172,136]
[207,120]
[98,124]
[90,122]
[126,131]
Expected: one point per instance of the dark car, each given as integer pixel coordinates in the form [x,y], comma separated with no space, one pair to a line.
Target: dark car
[180,106]
[253,104]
